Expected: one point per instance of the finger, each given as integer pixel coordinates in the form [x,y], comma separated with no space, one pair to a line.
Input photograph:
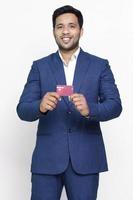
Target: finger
[76,99]
[48,107]
[76,96]
[54,94]
[51,104]
[78,104]
[79,107]
[52,99]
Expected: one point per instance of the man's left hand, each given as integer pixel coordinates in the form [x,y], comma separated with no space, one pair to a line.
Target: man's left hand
[80,103]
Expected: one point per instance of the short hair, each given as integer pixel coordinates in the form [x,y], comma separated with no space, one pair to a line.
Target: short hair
[67,9]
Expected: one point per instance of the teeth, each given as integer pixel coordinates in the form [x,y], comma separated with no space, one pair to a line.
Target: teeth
[66,39]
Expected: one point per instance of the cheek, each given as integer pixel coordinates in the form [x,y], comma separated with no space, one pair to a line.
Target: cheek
[77,35]
[56,34]
[56,37]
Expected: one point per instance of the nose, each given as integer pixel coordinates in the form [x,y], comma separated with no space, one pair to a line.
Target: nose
[65,30]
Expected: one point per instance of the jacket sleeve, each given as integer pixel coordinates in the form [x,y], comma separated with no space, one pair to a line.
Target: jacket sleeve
[28,108]
[109,103]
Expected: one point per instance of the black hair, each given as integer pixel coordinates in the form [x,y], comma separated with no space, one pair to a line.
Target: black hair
[67,9]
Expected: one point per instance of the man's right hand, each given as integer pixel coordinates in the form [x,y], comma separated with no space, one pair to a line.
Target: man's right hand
[49,101]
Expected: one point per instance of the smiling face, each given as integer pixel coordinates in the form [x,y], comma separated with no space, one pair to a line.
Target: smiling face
[67,32]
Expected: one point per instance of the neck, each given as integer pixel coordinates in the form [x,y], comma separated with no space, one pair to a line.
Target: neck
[67,54]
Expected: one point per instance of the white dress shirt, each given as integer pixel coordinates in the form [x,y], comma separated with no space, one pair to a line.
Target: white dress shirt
[69,68]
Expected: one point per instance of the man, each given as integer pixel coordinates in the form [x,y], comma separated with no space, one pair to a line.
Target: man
[70,92]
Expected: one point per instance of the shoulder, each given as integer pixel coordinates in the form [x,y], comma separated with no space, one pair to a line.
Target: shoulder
[44,59]
[94,58]
[96,62]
[44,63]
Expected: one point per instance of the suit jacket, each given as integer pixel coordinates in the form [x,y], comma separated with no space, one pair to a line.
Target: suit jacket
[64,133]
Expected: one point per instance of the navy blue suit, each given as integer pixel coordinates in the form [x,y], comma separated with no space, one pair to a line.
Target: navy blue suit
[64,133]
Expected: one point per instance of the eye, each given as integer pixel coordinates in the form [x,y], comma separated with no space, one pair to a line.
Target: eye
[59,27]
[72,26]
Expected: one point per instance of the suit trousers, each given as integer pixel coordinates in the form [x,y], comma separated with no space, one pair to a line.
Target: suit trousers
[77,186]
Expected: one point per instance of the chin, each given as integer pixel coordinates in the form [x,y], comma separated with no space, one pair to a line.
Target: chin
[68,48]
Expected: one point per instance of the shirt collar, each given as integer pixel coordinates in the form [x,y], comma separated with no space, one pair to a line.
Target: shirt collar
[74,56]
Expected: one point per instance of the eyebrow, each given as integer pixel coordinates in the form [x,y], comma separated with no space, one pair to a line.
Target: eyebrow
[61,24]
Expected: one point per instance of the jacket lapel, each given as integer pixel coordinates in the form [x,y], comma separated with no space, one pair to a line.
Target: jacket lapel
[58,69]
[80,71]
[58,72]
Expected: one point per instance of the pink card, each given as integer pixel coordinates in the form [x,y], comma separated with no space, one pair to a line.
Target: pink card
[64,90]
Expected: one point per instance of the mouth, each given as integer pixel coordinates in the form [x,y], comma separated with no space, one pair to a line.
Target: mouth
[66,39]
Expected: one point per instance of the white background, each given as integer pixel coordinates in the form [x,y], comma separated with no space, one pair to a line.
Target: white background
[26,35]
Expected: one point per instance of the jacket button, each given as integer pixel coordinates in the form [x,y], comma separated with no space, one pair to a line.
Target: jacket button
[69,112]
[69,130]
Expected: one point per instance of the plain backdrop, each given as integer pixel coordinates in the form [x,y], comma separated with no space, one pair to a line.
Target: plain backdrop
[25,36]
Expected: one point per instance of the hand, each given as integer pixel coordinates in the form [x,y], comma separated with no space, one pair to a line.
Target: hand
[49,101]
[80,103]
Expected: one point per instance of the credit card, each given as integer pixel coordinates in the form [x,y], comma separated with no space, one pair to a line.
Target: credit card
[64,90]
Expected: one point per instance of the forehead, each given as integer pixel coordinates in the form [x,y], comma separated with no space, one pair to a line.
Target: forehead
[67,18]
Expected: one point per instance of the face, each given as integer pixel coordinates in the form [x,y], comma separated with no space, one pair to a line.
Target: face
[67,32]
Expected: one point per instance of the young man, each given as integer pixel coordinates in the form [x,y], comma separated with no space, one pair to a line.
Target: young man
[70,92]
